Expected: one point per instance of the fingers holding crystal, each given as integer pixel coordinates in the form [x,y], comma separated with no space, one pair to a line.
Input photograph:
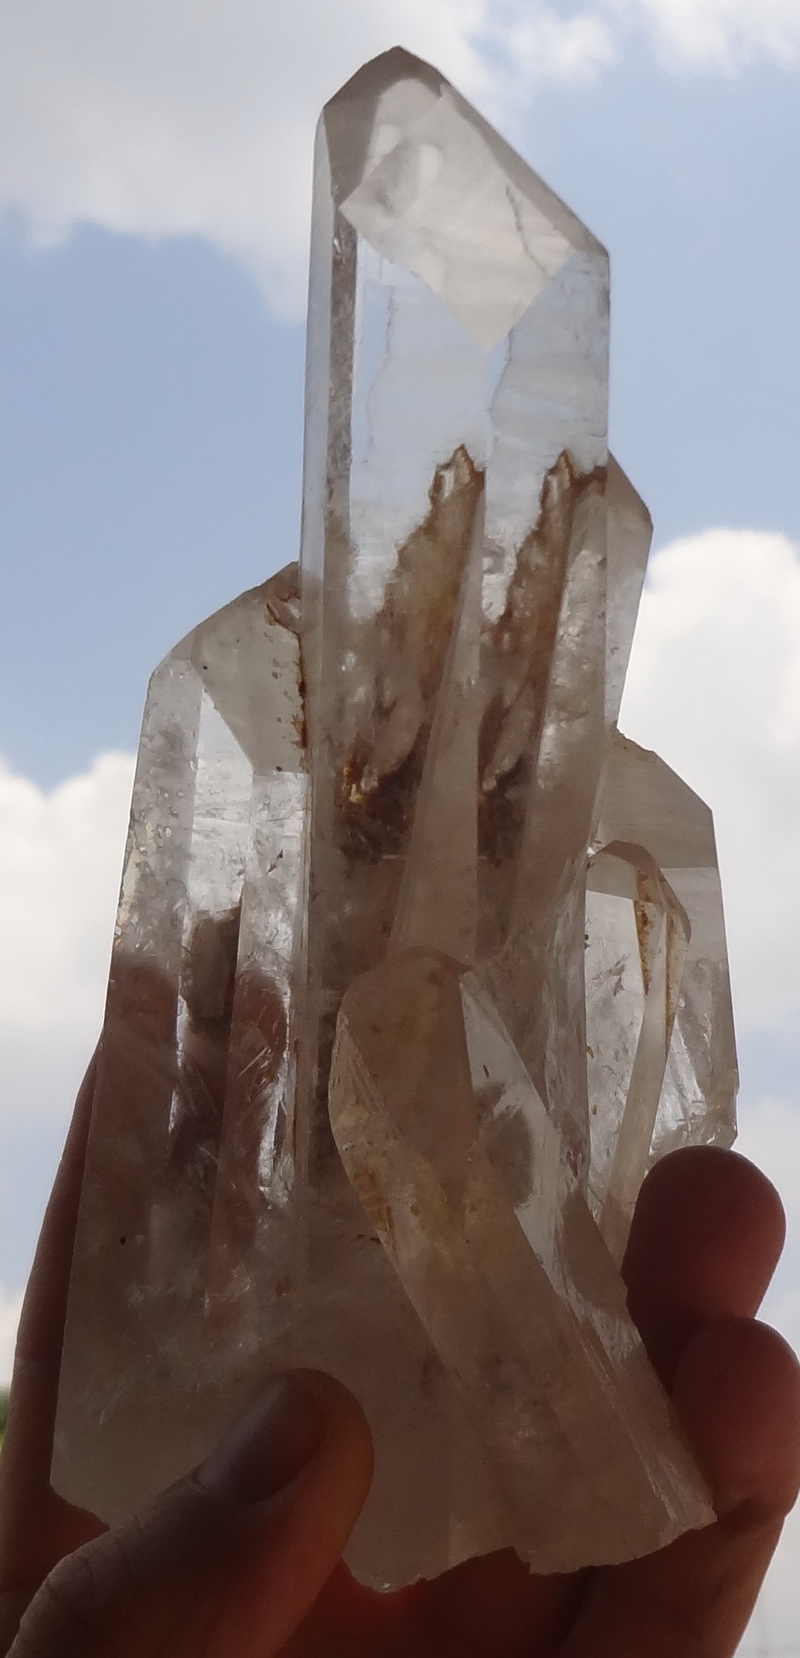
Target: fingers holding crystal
[707,1233]
[738,1392]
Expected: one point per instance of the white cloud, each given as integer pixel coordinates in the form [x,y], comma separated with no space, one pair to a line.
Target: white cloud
[718,35]
[713,686]
[158,121]
[60,862]
[164,120]
[534,44]
[769,1134]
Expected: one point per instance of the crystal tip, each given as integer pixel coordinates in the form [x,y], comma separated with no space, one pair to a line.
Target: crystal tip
[388,69]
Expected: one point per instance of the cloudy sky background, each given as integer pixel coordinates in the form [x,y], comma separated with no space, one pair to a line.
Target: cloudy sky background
[154,202]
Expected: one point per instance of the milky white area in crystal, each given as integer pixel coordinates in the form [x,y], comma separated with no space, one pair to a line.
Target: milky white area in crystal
[419,964]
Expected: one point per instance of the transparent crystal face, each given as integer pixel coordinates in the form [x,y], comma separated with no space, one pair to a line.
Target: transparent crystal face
[419,963]
[482,1217]
[637,935]
[434,201]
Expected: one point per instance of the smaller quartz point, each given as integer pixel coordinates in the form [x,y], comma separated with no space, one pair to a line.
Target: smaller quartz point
[636,941]
[481,1215]
[190,1143]
[643,801]
[419,964]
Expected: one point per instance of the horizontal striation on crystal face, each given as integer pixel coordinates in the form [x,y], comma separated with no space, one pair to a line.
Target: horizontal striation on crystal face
[419,964]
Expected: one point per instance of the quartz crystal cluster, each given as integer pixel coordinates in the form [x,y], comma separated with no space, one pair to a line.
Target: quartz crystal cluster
[419,963]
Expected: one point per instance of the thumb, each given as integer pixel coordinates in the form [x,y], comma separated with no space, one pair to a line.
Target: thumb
[228,1560]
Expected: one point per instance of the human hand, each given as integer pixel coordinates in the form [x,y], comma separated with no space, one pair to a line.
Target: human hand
[244,1557]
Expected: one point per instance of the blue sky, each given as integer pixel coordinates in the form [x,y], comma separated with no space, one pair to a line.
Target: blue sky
[154,193]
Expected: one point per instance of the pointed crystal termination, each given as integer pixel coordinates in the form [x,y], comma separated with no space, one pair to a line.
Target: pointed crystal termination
[642,800]
[460,425]
[190,1132]
[637,936]
[382,799]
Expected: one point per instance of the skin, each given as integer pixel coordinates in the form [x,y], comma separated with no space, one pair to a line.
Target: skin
[245,1556]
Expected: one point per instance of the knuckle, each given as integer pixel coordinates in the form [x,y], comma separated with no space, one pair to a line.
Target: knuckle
[67,1615]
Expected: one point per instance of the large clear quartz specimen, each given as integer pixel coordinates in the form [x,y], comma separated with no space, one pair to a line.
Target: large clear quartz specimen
[419,964]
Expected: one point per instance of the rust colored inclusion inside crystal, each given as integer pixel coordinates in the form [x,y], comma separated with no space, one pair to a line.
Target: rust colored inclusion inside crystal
[517,659]
[409,640]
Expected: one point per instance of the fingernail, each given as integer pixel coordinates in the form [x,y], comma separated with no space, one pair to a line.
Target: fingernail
[269,1447]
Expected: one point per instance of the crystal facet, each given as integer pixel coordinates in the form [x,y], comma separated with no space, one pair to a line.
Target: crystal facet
[419,964]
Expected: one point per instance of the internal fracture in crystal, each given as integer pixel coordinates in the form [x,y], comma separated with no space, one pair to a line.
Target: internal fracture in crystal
[419,963]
